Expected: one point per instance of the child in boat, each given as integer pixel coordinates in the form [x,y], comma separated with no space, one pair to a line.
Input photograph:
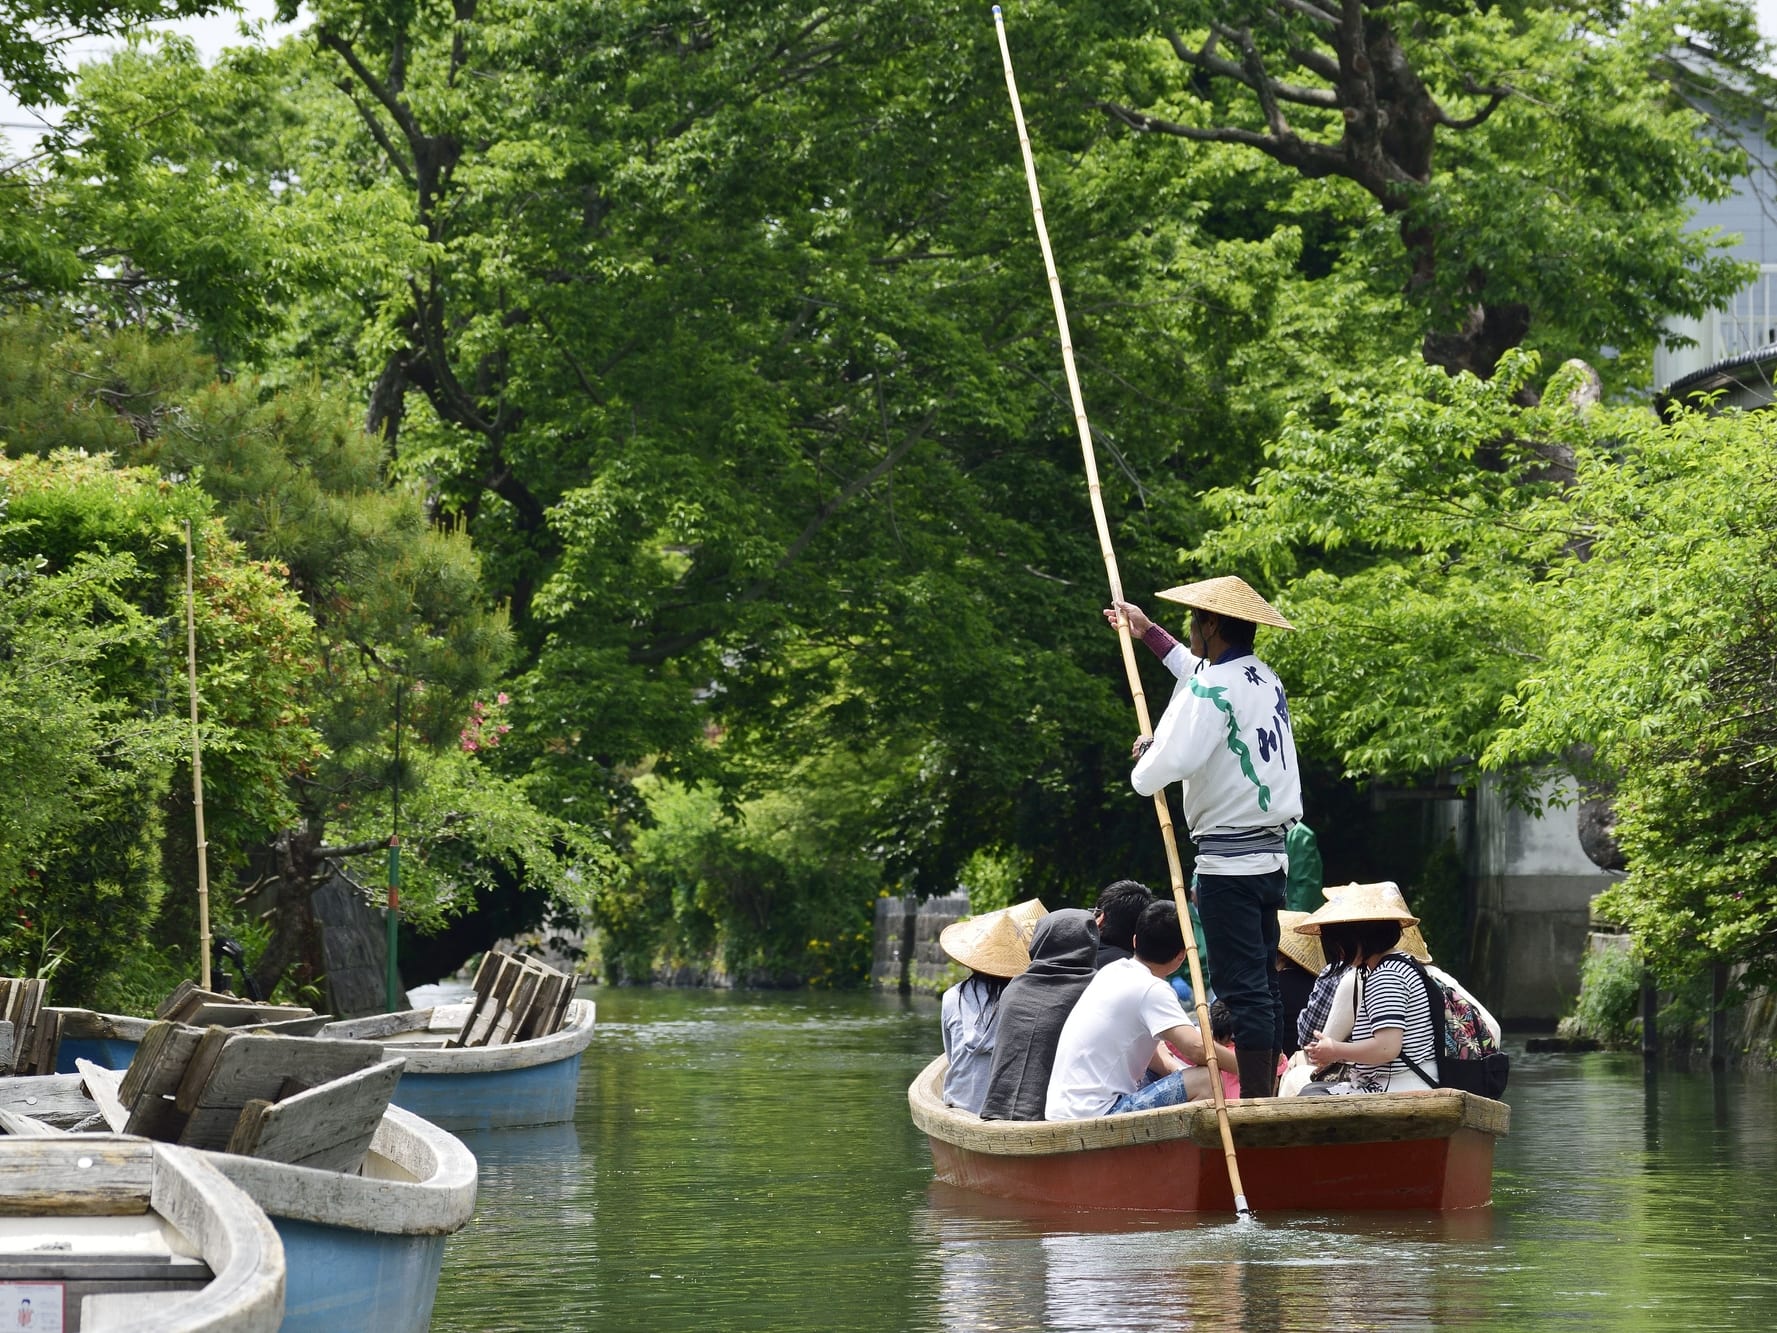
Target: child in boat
[995,947]
[1109,1040]
[1393,1025]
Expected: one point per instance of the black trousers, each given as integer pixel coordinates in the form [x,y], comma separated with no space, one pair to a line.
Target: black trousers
[1239,914]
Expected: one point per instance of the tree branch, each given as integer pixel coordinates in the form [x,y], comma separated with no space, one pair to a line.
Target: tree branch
[378,133]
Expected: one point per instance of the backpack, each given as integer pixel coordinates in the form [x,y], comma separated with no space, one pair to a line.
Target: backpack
[1468,1057]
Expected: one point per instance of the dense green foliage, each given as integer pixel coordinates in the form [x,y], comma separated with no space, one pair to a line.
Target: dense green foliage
[92,688]
[719,331]
[299,709]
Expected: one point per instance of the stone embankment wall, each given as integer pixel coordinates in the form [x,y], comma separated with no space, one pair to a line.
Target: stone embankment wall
[907,954]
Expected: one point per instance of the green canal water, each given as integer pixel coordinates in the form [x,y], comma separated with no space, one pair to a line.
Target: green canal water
[745,1161]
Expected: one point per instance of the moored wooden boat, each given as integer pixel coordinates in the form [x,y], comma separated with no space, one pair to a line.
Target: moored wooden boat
[1402,1150]
[363,1249]
[535,1081]
[100,1231]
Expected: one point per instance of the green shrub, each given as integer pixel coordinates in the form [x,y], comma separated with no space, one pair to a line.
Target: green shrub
[1608,1008]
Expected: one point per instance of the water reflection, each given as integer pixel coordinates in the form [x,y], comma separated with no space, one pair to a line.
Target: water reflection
[747,1162]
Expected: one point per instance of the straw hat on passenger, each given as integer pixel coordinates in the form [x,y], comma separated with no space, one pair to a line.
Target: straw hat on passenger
[1302,950]
[997,943]
[1227,596]
[1381,901]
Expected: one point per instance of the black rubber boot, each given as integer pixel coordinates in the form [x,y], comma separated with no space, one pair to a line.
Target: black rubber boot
[1258,1072]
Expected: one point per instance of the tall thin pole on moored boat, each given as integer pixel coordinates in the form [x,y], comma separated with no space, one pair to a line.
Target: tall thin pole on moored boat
[197,776]
[1174,867]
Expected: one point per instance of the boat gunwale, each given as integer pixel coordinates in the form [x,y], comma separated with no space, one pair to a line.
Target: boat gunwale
[440,1201]
[244,1295]
[1257,1123]
[573,1037]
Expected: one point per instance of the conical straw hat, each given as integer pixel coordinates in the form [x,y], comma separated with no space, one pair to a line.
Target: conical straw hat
[1360,902]
[1411,940]
[997,943]
[1227,596]
[1302,950]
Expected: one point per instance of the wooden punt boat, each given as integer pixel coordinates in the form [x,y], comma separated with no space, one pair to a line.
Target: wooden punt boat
[1393,1150]
[530,1082]
[100,1231]
[535,1081]
[362,1249]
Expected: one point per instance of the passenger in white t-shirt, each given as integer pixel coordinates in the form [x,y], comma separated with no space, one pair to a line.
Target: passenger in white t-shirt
[1112,1037]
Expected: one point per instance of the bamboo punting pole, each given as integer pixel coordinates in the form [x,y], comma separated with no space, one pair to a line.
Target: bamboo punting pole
[197,777]
[1161,810]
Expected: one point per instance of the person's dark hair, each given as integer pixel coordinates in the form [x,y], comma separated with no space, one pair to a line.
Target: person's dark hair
[1221,1021]
[1122,904]
[1348,941]
[1237,633]
[1158,938]
[990,987]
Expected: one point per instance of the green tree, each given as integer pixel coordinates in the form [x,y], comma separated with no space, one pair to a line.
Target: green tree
[91,742]
[394,603]
[1529,167]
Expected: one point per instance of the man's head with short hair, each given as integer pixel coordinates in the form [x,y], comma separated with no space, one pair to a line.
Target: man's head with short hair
[1236,634]
[1119,908]
[1158,938]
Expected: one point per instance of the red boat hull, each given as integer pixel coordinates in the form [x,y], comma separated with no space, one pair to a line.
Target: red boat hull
[1179,1176]
[1428,1151]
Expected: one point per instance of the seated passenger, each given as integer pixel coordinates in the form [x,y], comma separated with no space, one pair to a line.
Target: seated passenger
[994,946]
[1118,909]
[1110,1039]
[1036,1003]
[1299,963]
[1393,1019]
[1413,942]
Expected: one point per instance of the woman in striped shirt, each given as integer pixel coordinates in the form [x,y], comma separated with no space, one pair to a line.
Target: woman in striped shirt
[1393,1021]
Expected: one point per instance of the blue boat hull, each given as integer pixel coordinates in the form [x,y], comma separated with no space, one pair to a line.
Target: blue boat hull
[499,1099]
[106,1052]
[342,1279]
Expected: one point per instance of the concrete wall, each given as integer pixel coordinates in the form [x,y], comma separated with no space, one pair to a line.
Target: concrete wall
[1533,887]
[907,953]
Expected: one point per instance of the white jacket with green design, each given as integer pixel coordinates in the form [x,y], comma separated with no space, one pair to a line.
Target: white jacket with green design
[1226,735]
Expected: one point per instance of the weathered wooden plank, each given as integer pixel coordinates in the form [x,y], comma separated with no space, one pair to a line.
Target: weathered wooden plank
[159,1062]
[234,1013]
[268,1068]
[518,1005]
[156,1117]
[373,1026]
[48,1044]
[170,1006]
[476,1033]
[311,1026]
[76,1177]
[6,1047]
[27,1126]
[101,1086]
[25,1024]
[199,1068]
[328,1127]
[487,976]
[544,1007]
[561,1012]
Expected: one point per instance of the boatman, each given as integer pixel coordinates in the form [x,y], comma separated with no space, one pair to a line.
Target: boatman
[1226,736]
